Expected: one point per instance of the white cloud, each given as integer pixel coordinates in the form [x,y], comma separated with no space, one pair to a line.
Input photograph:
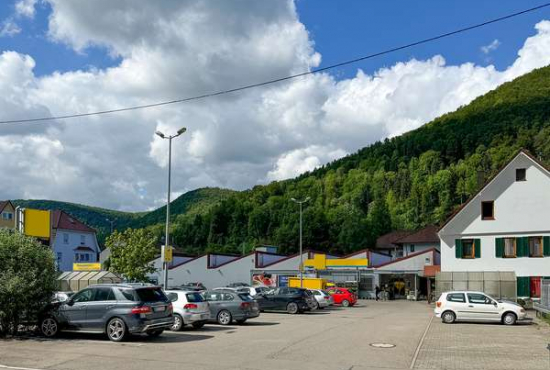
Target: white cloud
[298,161]
[173,49]
[9,28]
[491,47]
[25,8]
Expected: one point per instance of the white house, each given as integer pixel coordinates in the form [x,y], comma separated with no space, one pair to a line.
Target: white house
[504,227]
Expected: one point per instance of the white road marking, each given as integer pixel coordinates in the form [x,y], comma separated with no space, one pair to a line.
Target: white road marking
[16,368]
[420,343]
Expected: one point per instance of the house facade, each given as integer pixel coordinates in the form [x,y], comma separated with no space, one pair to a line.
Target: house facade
[505,227]
[7,214]
[72,241]
[418,241]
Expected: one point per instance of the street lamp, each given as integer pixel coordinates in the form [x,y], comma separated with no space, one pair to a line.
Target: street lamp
[112,223]
[300,203]
[167,238]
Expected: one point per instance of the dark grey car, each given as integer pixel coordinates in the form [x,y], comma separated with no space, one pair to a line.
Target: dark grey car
[228,305]
[114,309]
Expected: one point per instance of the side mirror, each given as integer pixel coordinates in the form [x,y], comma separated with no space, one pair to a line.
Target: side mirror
[69,302]
[495,304]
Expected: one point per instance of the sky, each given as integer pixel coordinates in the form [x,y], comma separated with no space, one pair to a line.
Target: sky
[60,57]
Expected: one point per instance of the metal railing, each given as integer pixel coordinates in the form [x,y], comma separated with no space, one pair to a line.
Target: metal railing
[544,304]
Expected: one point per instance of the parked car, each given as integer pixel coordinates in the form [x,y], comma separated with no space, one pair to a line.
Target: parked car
[189,309]
[291,300]
[253,291]
[323,298]
[192,287]
[238,285]
[228,305]
[476,306]
[117,310]
[61,296]
[342,296]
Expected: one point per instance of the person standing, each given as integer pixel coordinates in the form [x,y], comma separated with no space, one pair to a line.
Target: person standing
[377,292]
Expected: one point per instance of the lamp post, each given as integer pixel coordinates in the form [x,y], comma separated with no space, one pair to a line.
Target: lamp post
[167,238]
[300,203]
[112,223]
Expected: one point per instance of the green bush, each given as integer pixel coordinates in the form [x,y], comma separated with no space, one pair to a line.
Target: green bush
[27,279]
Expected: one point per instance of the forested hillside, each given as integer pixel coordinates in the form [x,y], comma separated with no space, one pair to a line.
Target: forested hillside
[403,183]
[192,203]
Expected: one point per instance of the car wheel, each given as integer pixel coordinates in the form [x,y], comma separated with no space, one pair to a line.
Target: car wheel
[116,330]
[345,303]
[292,308]
[448,317]
[509,319]
[155,333]
[240,321]
[178,323]
[49,327]
[224,317]
[198,325]
[317,306]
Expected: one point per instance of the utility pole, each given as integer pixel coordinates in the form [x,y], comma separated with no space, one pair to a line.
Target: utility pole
[167,238]
[300,203]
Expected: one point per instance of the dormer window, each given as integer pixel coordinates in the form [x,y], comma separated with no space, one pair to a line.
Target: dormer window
[488,210]
[521,174]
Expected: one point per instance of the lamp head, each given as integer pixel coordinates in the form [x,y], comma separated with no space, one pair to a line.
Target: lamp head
[181,130]
[160,134]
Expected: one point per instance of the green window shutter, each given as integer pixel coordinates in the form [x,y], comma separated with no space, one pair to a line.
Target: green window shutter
[522,247]
[499,247]
[546,246]
[477,248]
[524,288]
[458,248]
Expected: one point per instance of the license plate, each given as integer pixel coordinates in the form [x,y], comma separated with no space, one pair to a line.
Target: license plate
[160,309]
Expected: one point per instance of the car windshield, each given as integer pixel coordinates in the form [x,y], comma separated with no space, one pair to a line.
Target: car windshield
[194,297]
[151,295]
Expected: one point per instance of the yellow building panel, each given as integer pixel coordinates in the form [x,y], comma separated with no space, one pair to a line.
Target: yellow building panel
[37,223]
[86,266]
[321,262]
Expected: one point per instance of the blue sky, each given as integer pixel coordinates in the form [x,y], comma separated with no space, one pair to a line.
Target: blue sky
[168,49]
[340,29]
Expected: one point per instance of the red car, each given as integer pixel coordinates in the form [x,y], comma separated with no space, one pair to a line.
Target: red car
[342,296]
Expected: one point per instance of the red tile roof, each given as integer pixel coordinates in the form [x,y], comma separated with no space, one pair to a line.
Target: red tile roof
[65,221]
[387,241]
[425,235]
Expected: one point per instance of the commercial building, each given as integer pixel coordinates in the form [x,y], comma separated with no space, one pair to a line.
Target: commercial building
[504,228]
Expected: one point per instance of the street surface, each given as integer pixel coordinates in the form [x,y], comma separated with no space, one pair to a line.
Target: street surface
[338,339]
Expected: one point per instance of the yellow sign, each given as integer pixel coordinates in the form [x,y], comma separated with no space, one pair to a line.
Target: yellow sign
[321,262]
[37,223]
[86,266]
[168,254]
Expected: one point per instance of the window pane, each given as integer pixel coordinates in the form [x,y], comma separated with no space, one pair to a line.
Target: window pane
[173,297]
[104,294]
[467,248]
[194,297]
[128,294]
[487,210]
[477,298]
[521,174]
[83,296]
[456,297]
[509,247]
[151,295]
[535,246]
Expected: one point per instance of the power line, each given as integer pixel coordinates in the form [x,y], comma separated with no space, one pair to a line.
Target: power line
[281,79]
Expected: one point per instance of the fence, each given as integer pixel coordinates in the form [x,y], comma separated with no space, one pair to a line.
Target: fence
[499,285]
[544,304]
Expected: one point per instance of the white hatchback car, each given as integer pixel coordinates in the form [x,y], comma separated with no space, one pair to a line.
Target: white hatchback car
[189,308]
[323,298]
[476,306]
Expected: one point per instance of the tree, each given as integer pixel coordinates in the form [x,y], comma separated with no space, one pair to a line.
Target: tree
[131,253]
[27,279]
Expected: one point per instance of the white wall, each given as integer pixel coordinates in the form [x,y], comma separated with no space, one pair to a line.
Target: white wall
[419,247]
[522,266]
[412,264]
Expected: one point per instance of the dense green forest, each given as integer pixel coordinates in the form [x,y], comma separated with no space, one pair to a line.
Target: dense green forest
[405,182]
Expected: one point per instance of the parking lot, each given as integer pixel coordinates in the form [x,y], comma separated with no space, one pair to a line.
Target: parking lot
[338,338]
